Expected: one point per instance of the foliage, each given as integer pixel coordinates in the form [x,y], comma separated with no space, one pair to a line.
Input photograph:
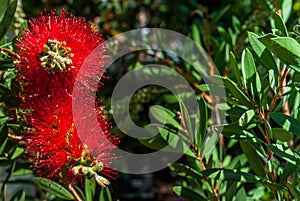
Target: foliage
[257,52]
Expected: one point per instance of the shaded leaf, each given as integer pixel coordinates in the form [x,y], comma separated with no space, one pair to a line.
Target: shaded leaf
[281,134]
[188,194]
[19,196]
[235,69]
[231,175]
[201,126]
[253,158]
[185,171]
[105,194]
[279,24]
[8,17]
[164,116]
[238,95]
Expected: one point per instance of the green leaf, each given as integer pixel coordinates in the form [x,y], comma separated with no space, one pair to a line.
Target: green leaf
[186,118]
[216,16]
[241,195]
[286,49]
[185,171]
[263,54]
[293,189]
[286,153]
[19,196]
[246,117]
[231,190]
[105,194]
[8,17]
[188,194]
[17,152]
[22,171]
[253,158]
[287,6]
[235,69]
[164,116]
[90,188]
[238,95]
[248,67]
[54,188]
[282,135]
[209,144]
[288,170]
[231,175]
[201,126]
[239,135]
[166,137]
[279,24]
[286,122]
[3,145]
[196,34]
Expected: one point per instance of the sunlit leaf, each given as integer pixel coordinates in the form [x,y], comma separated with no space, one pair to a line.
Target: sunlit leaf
[286,122]
[263,54]
[54,188]
[286,153]
[246,117]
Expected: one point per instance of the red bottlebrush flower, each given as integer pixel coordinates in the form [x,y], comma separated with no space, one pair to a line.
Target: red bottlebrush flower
[54,145]
[50,55]
[53,49]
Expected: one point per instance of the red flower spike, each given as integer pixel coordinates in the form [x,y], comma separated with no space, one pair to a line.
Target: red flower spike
[50,55]
[56,45]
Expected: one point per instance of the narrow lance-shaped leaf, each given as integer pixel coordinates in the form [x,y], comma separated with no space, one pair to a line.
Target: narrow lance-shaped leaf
[286,153]
[19,196]
[185,171]
[246,117]
[279,24]
[237,94]
[188,194]
[281,134]
[231,175]
[8,17]
[248,67]
[253,158]
[54,188]
[89,188]
[105,195]
[286,122]
[263,54]
[285,48]
[235,69]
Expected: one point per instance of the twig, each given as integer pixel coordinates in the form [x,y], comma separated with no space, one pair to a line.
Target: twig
[200,159]
[278,89]
[74,193]
[9,51]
